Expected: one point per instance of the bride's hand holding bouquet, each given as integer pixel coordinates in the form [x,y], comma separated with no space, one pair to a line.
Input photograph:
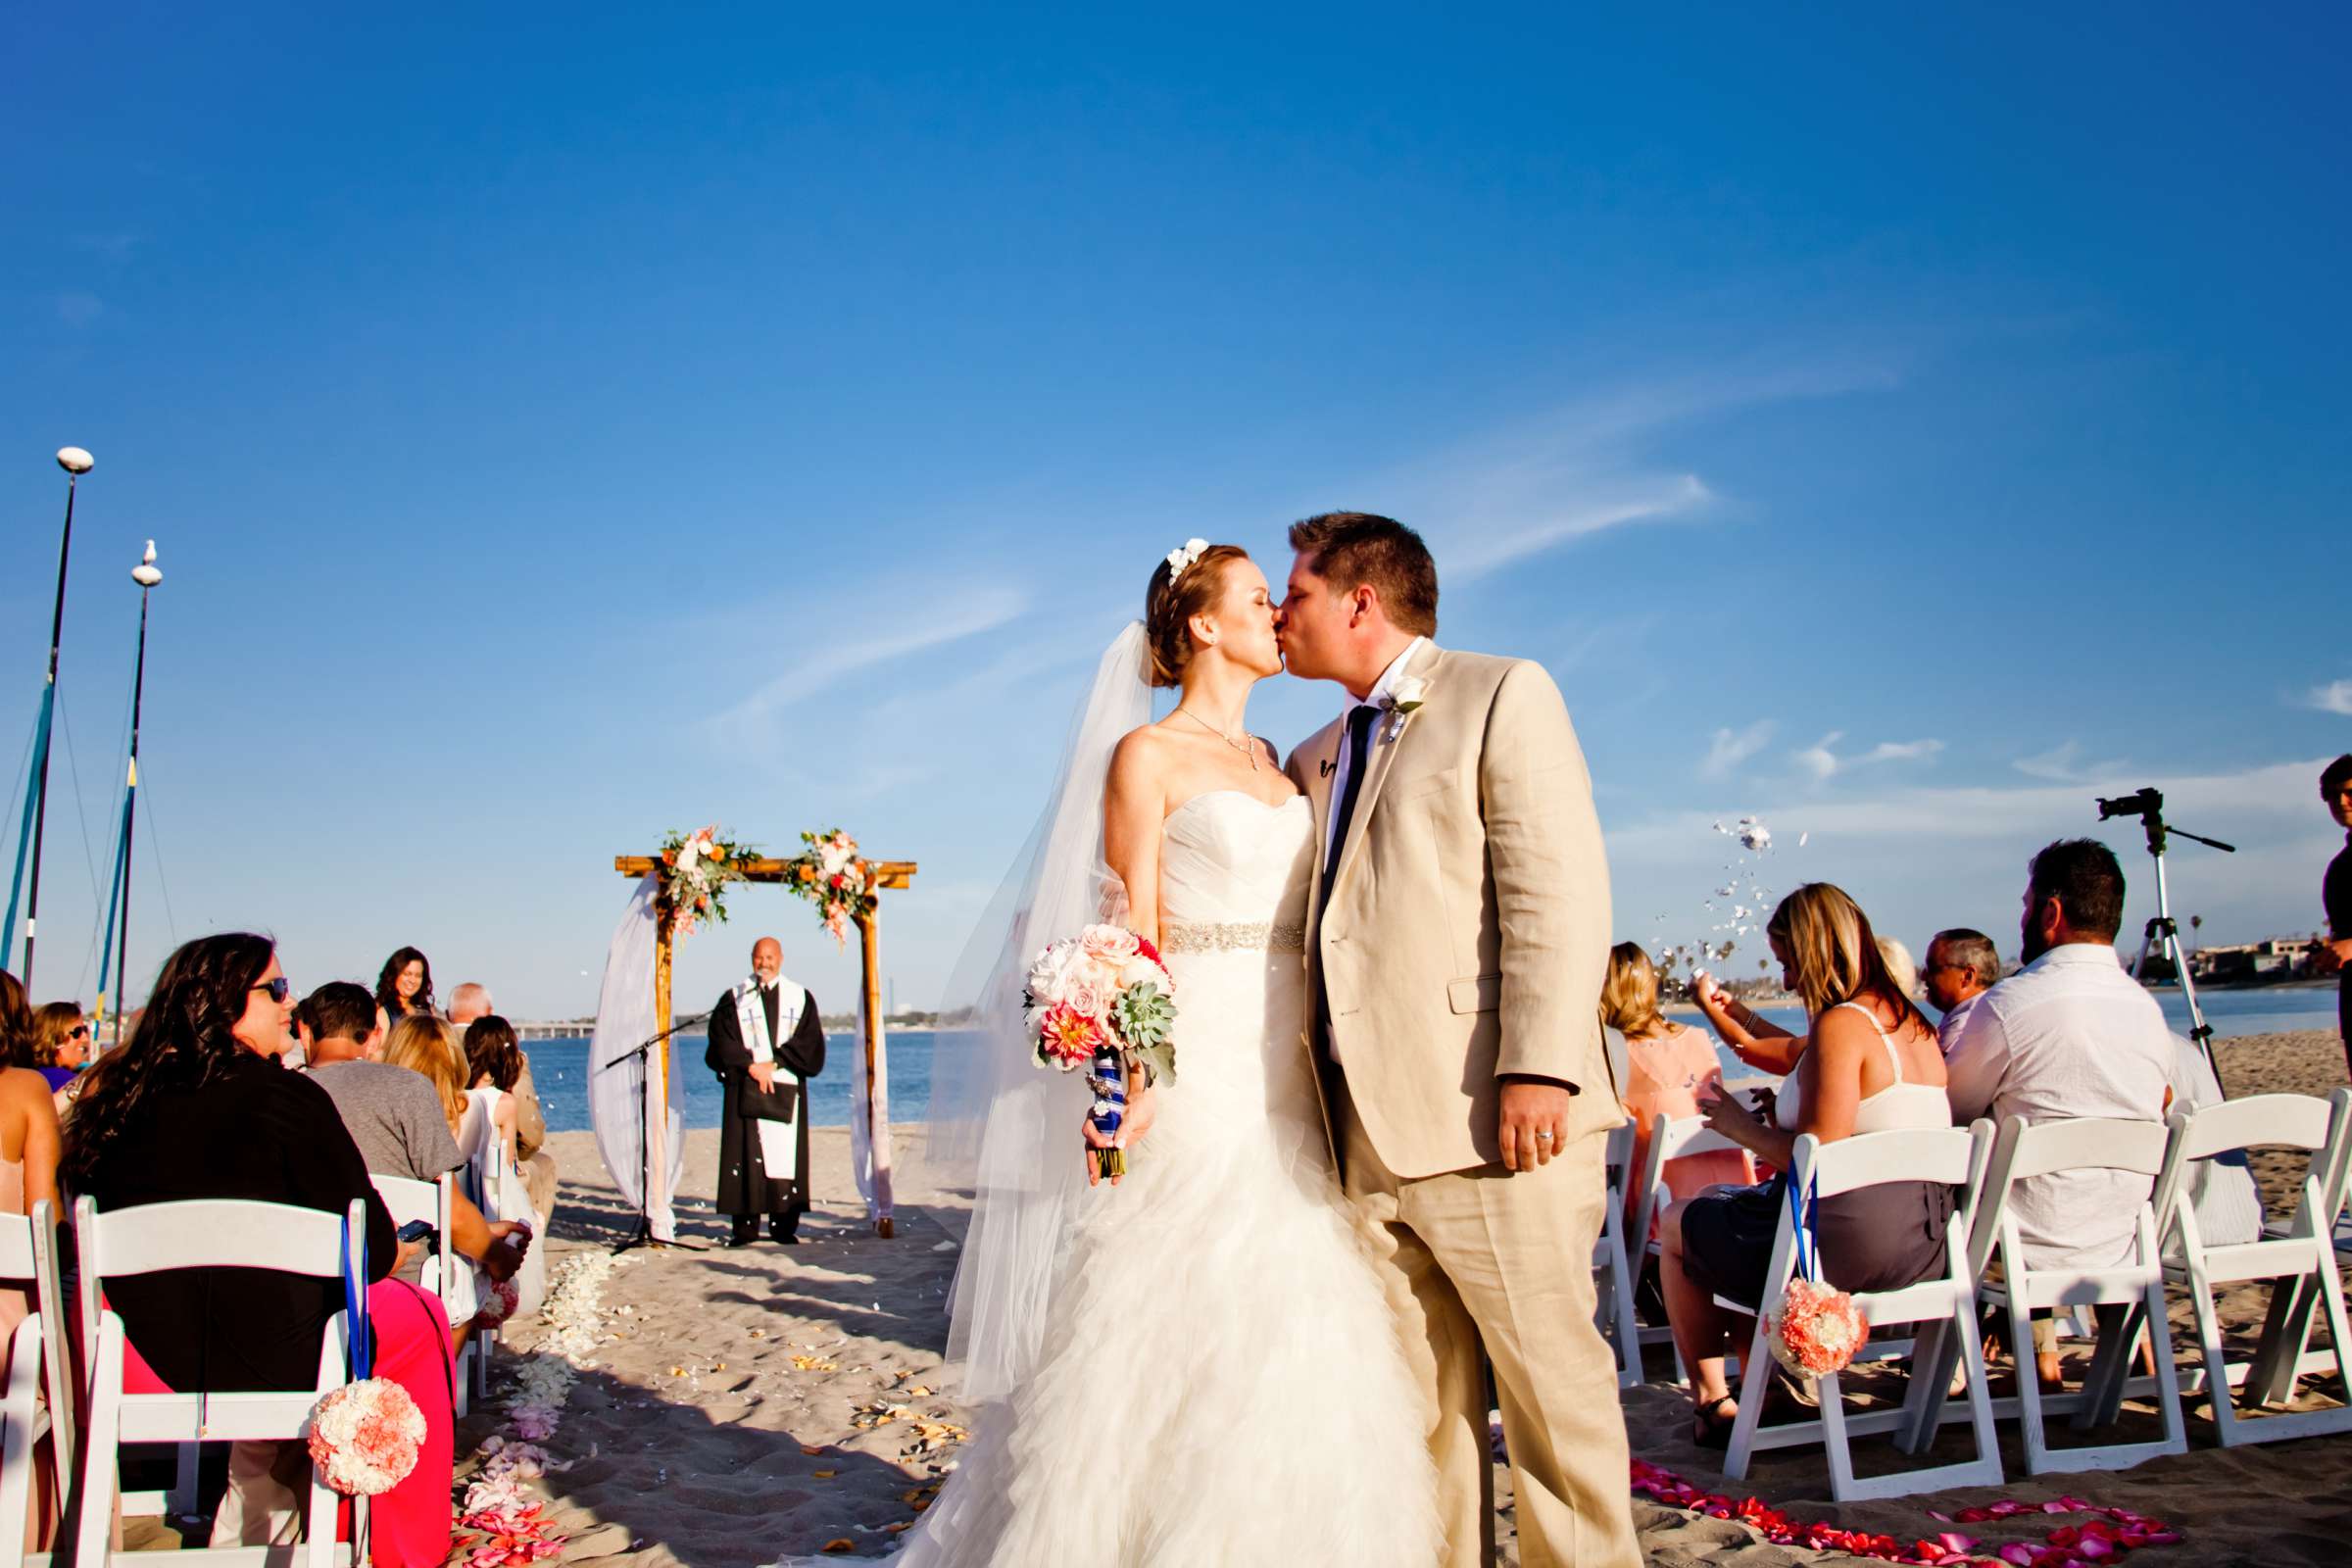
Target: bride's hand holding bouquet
[1104,1000]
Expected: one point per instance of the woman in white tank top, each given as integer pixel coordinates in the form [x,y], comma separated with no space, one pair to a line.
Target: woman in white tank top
[1869,1065]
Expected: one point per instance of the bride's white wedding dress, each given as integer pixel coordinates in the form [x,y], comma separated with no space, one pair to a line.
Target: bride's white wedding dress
[1220,1382]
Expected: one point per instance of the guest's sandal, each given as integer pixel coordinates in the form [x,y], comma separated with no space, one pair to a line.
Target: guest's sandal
[1711,1427]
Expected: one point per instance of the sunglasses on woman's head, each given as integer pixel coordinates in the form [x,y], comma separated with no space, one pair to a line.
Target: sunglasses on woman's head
[279,989]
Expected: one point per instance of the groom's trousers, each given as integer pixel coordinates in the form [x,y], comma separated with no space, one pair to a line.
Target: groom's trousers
[1487,1266]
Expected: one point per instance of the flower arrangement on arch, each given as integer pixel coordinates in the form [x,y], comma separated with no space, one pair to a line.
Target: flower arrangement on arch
[696,869]
[831,874]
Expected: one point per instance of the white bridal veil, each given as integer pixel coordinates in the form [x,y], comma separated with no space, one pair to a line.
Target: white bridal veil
[994,1113]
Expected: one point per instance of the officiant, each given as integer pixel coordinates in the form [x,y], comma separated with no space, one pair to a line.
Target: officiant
[766,1041]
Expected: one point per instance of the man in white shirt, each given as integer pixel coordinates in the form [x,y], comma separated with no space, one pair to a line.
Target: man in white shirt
[1962,965]
[2070,1034]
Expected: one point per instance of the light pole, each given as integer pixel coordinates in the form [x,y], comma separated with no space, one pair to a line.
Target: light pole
[146,575]
[76,463]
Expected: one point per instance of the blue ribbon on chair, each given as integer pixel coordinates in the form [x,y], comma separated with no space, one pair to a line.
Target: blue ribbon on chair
[1808,1257]
[354,1308]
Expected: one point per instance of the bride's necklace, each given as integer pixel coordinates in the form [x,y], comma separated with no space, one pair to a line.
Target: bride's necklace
[1241,746]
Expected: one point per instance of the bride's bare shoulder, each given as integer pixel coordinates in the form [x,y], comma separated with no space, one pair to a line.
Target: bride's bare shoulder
[1140,758]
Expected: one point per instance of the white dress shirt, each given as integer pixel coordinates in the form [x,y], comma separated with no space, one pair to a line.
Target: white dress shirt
[2067,1035]
[1954,1021]
[1374,697]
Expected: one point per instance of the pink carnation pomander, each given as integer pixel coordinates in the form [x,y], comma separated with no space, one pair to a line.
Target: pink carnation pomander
[365,1437]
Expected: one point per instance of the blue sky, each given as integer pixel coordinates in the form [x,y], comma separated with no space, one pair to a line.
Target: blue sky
[584,423]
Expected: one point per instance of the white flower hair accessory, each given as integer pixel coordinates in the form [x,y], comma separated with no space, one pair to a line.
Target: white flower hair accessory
[1181,558]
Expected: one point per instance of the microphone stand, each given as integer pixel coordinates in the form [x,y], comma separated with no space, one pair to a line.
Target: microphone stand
[645,1140]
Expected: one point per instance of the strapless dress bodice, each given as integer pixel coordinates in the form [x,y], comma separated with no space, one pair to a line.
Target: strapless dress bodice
[1230,862]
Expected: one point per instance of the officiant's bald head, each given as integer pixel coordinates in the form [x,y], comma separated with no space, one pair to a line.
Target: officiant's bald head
[767,958]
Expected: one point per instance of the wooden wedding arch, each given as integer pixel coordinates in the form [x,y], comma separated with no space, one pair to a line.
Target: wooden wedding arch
[888,875]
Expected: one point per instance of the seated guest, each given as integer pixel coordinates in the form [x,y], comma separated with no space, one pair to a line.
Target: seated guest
[197,1104]
[493,1067]
[1962,965]
[467,1003]
[403,987]
[61,1042]
[422,1044]
[1868,1065]
[394,1116]
[2069,1034]
[29,1133]
[1667,1067]
[1901,967]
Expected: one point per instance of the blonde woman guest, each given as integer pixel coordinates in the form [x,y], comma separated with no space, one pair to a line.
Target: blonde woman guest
[425,1045]
[1667,1067]
[1900,967]
[1869,1063]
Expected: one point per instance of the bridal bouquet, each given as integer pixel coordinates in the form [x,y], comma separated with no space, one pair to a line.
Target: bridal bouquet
[1098,1000]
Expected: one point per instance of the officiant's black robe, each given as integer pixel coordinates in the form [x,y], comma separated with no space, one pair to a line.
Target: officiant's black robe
[744,1188]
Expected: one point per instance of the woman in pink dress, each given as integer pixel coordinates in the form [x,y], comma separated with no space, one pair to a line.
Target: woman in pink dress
[1666,1067]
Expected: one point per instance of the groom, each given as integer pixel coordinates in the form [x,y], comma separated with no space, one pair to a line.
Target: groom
[1456,947]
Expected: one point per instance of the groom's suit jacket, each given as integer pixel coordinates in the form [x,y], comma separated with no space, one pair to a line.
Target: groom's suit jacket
[1468,930]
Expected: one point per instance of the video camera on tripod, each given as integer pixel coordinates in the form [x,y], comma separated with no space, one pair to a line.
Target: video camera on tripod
[2163,933]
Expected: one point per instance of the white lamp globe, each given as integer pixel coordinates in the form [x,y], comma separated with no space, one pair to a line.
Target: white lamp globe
[74,460]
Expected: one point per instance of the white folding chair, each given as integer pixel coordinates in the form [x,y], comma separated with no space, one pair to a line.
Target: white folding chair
[2132,1290]
[205,1233]
[1954,1156]
[36,1353]
[407,1200]
[1613,1269]
[2300,1266]
[1670,1138]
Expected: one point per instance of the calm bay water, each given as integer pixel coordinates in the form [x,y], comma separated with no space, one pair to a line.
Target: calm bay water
[560,1066]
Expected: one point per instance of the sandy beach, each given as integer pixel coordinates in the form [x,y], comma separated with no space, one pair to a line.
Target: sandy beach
[740,1404]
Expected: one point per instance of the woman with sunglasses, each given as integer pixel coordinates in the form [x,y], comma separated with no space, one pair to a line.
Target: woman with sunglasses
[197,1104]
[61,1042]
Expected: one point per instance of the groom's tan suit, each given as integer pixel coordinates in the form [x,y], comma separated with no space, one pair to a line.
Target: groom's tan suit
[1465,938]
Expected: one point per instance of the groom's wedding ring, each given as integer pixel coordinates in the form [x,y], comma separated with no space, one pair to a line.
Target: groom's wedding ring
[1543,1136]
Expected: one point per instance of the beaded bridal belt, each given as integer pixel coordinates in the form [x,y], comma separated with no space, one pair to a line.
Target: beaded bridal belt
[1245,936]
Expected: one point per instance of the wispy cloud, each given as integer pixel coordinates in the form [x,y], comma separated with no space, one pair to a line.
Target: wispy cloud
[1731,748]
[79,309]
[1821,762]
[2065,764]
[965,615]
[1585,468]
[2333,698]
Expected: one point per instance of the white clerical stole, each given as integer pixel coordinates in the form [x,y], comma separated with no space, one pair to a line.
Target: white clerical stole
[779,1141]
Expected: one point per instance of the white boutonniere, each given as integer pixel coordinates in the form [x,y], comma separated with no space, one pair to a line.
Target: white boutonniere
[1402,700]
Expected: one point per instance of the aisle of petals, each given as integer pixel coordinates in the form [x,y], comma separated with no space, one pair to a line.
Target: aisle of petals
[2108,1535]
[497,1502]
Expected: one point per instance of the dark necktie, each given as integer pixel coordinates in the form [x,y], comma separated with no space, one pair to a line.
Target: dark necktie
[1360,720]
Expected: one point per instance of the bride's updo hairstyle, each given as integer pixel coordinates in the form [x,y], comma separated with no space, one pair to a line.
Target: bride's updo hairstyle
[1173,600]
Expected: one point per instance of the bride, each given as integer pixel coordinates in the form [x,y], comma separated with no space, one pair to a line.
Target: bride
[1194,1365]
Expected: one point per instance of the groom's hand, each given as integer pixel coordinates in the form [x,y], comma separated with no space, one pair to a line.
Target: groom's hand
[1534,1124]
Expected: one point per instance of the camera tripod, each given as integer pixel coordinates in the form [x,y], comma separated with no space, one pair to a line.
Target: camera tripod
[2163,932]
